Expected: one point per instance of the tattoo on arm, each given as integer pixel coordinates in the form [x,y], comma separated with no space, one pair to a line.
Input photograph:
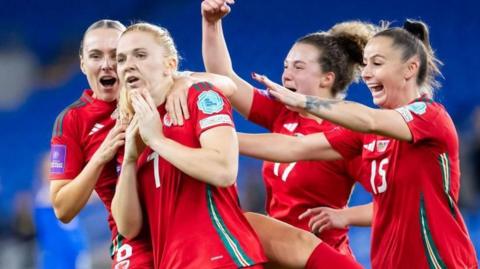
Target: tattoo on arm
[314,103]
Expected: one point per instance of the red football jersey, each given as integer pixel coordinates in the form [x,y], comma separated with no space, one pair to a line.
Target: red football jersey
[292,188]
[194,224]
[415,185]
[78,132]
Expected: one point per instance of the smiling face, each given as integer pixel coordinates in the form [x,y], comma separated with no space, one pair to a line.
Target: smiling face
[98,62]
[386,73]
[302,71]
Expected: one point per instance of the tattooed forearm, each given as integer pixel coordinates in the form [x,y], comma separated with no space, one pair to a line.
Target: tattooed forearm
[314,104]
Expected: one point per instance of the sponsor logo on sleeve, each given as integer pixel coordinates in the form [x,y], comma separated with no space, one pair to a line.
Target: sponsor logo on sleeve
[210,102]
[57,159]
[407,116]
[418,108]
[215,120]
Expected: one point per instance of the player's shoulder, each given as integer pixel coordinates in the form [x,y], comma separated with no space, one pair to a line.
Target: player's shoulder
[69,115]
[202,88]
[206,97]
[422,107]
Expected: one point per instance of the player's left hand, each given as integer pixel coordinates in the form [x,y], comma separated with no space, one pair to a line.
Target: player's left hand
[149,122]
[282,94]
[324,218]
[176,102]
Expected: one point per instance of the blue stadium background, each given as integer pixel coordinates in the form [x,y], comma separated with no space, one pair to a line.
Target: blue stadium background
[45,35]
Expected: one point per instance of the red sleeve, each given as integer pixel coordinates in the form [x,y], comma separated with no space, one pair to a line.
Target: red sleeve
[424,119]
[354,168]
[66,157]
[348,143]
[209,107]
[264,110]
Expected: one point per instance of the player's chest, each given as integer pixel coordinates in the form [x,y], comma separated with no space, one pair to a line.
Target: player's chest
[306,175]
[155,174]
[379,156]
[94,133]
[294,124]
[184,134]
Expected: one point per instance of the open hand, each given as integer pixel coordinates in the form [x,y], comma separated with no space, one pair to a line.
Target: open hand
[281,94]
[324,218]
[113,141]
[149,122]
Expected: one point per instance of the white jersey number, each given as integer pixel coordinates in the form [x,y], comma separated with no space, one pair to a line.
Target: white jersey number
[156,173]
[286,172]
[382,173]
[123,253]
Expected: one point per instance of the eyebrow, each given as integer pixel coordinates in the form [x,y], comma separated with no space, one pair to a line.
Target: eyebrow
[94,51]
[133,51]
[375,56]
[295,62]
[99,51]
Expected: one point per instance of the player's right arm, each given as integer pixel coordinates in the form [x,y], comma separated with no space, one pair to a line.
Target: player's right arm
[126,208]
[284,148]
[216,56]
[70,190]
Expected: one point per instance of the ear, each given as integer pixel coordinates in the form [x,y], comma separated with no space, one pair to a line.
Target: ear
[82,65]
[327,79]
[412,66]
[171,65]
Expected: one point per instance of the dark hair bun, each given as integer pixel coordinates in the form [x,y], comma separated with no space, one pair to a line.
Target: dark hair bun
[416,28]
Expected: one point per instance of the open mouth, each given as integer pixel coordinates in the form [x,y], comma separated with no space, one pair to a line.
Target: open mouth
[375,87]
[377,90]
[131,80]
[107,81]
[292,89]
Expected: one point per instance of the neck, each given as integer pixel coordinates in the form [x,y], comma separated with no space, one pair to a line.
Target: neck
[161,91]
[408,96]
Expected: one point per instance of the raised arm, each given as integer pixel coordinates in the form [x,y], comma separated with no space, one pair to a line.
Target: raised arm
[351,115]
[69,196]
[216,56]
[284,148]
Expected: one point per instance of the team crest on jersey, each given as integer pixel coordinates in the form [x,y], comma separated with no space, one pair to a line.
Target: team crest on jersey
[210,102]
[418,108]
[167,121]
[382,145]
[57,159]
